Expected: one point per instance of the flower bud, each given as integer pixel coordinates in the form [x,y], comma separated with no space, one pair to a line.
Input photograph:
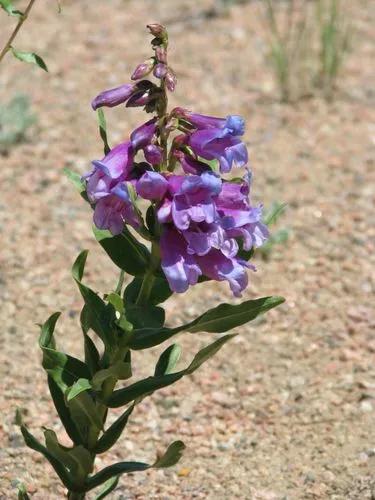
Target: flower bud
[143,69]
[153,154]
[160,70]
[157,30]
[170,80]
[113,97]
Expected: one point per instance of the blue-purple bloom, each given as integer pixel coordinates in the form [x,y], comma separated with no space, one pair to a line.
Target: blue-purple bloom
[202,217]
[215,138]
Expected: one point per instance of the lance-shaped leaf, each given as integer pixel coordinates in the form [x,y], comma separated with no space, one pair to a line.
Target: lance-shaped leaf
[170,458]
[103,130]
[108,487]
[29,57]
[83,409]
[8,6]
[99,315]
[78,460]
[217,320]
[143,388]
[124,250]
[145,316]
[77,182]
[160,291]
[111,435]
[58,466]
[63,371]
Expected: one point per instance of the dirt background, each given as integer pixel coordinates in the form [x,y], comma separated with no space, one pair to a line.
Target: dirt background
[287,410]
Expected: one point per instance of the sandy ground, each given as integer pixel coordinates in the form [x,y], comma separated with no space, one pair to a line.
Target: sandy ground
[287,411]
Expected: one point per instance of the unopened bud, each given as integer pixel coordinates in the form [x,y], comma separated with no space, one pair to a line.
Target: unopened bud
[160,70]
[153,154]
[143,69]
[157,30]
[170,80]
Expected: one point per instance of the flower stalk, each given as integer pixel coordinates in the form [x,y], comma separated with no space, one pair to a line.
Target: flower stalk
[198,226]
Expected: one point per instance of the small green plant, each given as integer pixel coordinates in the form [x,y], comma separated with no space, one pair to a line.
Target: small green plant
[334,32]
[15,119]
[287,35]
[307,44]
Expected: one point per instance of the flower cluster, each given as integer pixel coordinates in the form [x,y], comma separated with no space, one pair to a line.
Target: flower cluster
[204,221]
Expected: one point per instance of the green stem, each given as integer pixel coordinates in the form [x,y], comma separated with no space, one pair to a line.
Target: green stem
[72,495]
[149,278]
[21,20]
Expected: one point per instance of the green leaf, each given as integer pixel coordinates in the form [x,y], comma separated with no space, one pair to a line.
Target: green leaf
[77,460]
[227,316]
[103,130]
[217,320]
[125,251]
[92,357]
[76,180]
[111,435]
[170,458]
[108,487]
[59,467]
[81,385]
[65,370]
[145,387]
[82,405]
[168,360]
[98,315]
[29,57]
[8,6]
[119,371]
[160,291]
[145,316]
[64,413]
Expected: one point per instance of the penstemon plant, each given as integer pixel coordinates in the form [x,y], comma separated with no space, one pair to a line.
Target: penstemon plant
[164,186]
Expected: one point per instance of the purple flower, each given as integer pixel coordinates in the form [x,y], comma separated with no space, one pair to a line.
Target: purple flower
[113,211]
[143,135]
[238,217]
[233,124]
[221,145]
[113,97]
[218,267]
[179,267]
[114,167]
[143,69]
[216,138]
[152,186]
[203,218]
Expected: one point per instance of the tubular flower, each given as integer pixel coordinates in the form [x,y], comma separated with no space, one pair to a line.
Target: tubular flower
[108,172]
[215,138]
[202,218]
